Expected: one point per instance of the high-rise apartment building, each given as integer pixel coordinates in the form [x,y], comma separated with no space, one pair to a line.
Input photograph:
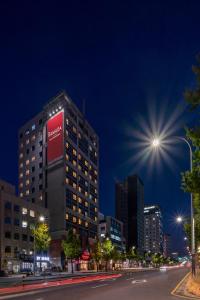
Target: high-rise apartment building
[129,198]
[59,169]
[153,229]
[167,245]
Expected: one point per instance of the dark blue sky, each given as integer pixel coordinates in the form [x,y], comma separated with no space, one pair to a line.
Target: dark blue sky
[118,56]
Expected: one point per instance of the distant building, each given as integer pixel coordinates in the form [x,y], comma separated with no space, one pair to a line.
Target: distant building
[113,229]
[17,219]
[129,205]
[167,245]
[59,169]
[153,229]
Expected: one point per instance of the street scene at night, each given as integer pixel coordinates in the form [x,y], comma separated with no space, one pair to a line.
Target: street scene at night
[100,150]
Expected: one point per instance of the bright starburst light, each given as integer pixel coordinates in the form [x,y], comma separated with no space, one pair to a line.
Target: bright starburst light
[150,139]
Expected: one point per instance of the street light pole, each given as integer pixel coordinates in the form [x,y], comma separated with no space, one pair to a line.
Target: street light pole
[193,252]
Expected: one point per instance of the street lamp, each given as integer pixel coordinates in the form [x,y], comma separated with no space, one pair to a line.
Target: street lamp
[156,144]
[179,219]
[40,219]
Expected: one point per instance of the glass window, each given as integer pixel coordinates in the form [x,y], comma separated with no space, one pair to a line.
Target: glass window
[24,224]
[16,236]
[33,127]
[8,249]
[16,208]
[24,211]
[8,235]
[7,220]
[32,213]
[8,205]
[16,222]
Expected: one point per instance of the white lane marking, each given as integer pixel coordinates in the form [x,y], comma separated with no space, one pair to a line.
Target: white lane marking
[131,278]
[139,281]
[97,286]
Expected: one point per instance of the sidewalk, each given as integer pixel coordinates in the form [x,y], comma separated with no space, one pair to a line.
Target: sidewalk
[187,288]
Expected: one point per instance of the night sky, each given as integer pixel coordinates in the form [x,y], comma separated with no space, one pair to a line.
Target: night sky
[123,58]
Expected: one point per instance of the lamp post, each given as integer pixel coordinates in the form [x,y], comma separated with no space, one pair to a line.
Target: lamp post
[155,144]
[41,219]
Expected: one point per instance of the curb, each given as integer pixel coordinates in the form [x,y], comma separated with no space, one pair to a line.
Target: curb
[175,293]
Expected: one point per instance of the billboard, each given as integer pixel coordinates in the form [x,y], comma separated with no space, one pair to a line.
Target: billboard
[55,137]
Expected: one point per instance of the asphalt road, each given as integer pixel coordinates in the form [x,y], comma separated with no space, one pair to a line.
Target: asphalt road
[148,285]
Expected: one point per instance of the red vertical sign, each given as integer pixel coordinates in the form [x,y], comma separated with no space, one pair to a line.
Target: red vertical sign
[55,137]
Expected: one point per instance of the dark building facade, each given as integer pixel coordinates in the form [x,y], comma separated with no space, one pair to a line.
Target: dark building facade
[59,169]
[129,198]
[167,245]
[153,229]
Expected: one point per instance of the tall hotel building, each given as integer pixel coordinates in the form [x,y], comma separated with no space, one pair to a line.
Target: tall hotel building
[59,170]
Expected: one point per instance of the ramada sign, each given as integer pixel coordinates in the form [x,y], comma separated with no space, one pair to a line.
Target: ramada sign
[55,137]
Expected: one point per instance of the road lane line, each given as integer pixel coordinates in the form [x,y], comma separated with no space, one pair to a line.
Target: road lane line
[131,278]
[97,286]
[139,281]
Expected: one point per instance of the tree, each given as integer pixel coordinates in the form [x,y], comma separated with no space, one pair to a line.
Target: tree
[97,253]
[191,180]
[41,237]
[107,248]
[71,247]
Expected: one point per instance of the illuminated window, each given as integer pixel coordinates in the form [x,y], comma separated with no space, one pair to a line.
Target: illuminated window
[21,145]
[95,209]
[21,185]
[86,163]
[79,200]
[95,181]
[67,133]
[95,172]
[86,224]
[27,192]
[86,203]
[74,197]
[74,207]
[74,174]
[74,129]
[67,169]
[21,155]
[74,162]
[27,182]
[74,185]
[27,141]
[79,167]
[24,211]
[24,224]
[67,157]
[21,195]
[79,156]
[95,154]
[67,180]
[67,121]
[33,138]
[86,173]
[74,219]
[27,172]
[27,162]
[80,211]
[67,145]
[79,188]
[33,158]
[95,218]
[33,127]
[40,198]
[74,151]
[86,193]
[32,213]
[21,165]
[79,221]
[67,217]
